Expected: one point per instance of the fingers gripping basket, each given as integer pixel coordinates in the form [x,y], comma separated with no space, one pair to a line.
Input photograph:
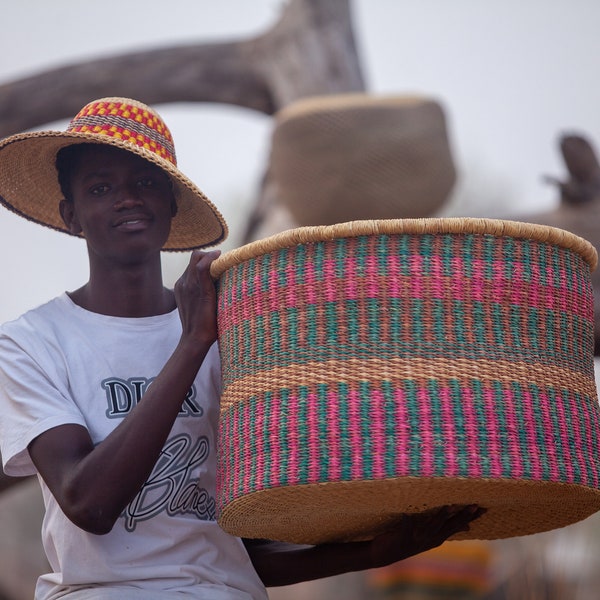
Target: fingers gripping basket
[377,368]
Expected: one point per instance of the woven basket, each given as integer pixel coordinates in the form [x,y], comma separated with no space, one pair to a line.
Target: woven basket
[353,156]
[377,368]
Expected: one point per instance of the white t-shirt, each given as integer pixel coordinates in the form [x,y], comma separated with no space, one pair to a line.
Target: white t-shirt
[62,364]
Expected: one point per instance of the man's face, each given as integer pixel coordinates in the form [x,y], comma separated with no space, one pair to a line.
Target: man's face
[122,204]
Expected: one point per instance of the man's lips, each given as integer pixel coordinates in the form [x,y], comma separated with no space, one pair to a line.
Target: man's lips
[132,222]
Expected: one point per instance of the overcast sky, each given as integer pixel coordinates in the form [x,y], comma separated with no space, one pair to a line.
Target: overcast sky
[511,75]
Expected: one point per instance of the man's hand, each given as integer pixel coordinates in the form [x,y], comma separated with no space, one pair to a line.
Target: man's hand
[196,298]
[415,533]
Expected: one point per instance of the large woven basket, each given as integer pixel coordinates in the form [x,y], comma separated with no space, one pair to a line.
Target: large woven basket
[345,157]
[377,368]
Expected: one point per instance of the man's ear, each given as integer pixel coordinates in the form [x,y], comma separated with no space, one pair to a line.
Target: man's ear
[67,212]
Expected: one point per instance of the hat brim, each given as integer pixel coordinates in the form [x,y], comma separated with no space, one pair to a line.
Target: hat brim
[29,187]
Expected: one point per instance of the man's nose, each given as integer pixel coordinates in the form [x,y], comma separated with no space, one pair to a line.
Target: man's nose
[127,197]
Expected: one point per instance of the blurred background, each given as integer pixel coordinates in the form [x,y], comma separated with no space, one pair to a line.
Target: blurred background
[511,77]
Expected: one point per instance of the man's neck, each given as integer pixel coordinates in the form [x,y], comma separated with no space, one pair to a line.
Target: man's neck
[128,293]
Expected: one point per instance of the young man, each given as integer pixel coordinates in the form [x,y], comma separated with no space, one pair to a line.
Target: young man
[110,393]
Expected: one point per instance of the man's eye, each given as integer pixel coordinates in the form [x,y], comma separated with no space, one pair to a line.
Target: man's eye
[147,182]
[99,189]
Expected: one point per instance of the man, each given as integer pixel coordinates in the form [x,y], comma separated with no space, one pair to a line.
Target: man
[110,393]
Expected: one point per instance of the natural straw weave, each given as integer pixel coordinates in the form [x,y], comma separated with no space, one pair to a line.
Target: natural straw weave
[345,157]
[377,368]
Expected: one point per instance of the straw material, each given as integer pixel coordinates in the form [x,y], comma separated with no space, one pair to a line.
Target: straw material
[347,157]
[377,368]
[28,177]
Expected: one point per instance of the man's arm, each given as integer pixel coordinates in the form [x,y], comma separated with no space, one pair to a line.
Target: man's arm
[278,563]
[93,484]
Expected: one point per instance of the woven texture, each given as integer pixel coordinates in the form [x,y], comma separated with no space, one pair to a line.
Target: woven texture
[366,376]
[29,184]
[349,157]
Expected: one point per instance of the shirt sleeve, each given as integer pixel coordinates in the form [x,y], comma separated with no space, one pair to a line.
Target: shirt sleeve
[30,403]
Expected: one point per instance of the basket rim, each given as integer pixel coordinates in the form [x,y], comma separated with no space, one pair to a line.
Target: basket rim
[439,225]
[311,105]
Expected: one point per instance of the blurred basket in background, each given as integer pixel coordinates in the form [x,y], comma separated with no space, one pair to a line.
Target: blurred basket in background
[346,157]
[377,368]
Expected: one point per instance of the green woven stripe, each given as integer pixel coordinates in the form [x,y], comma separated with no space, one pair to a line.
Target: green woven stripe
[312,333]
[439,434]
[331,323]
[503,429]
[302,441]
[521,433]
[498,323]
[418,329]
[557,426]
[390,428]
[269,468]
[415,443]
[346,449]
[580,401]
[352,322]
[284,436]
[365,429]
[479,323]
[533,328]
[573,440]
[339,254]
[323,425]
[385,246]
[373,320]
[438,325]
[482,427]
[460,426]
[539,429]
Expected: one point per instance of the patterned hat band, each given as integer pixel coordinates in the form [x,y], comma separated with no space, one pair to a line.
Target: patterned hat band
[128,122]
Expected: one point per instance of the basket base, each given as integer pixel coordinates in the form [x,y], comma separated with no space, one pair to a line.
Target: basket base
[359,510]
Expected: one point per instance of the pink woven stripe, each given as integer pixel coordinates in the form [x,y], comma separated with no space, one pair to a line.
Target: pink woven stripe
[471,434]
[449,431]
[550,441]
[564,437]
[417,287]
[591,423]
[291,287]
[258,458]
[372,290]
[329,280]
[394,289]
[580,438]
[478,283]
[531,424]
[356,441]
[273,291]
[350,282]
[440,287]
[427,439]
[292,446]
[333,438]
[513,426]
[274,440]
[402,434]
[312,441]
[377,432]
[245,456]
[492,427]
[310,290]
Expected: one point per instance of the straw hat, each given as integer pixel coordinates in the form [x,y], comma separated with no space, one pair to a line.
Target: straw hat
[29,183]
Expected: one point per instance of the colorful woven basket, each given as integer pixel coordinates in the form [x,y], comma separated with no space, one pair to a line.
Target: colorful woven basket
[377,368]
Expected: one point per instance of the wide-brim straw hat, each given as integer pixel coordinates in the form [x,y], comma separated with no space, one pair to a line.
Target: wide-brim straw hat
[29,181]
